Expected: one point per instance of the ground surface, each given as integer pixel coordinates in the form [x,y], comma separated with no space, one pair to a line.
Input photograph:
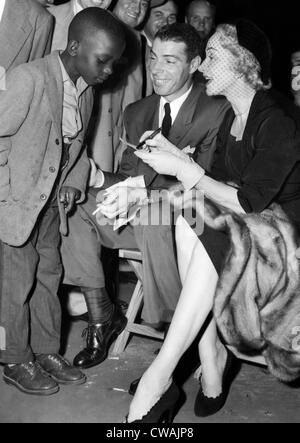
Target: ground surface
[255,396]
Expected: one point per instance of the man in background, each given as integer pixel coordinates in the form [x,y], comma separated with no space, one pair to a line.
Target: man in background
[25,32]
[295,76]
[162,13]
[201,15]
[126,88]
[65,13]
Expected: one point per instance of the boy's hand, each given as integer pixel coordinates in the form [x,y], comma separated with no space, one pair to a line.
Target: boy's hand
[69,196]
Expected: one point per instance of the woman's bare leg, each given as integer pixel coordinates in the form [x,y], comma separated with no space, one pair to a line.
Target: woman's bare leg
[194,305]
[213,357]
[211,351]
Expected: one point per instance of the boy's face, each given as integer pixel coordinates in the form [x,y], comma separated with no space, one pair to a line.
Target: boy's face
[96,55]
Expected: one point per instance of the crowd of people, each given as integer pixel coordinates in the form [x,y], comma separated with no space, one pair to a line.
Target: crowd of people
[82,85]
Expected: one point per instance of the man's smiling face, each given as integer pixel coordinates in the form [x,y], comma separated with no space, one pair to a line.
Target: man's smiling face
[171,72]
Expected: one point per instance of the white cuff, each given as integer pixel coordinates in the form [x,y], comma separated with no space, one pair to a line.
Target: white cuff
[136,182]
[191,175]
[96,176]
[100,179]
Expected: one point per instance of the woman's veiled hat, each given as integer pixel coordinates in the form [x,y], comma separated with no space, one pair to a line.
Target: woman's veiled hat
[252,38]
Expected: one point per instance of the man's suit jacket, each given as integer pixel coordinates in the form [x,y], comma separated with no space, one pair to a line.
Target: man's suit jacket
[25,33]
[125,87]
[63,15]
[196,125]
[31,146]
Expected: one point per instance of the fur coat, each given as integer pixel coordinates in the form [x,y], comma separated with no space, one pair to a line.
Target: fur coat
[257,301]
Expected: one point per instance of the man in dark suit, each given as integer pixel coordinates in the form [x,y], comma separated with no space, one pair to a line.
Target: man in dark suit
[25,32]
[192,120]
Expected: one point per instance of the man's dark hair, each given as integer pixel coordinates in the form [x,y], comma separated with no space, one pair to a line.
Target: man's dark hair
[92,20]
[182,33]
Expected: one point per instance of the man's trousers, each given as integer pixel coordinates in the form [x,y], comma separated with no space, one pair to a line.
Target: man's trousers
[81,256]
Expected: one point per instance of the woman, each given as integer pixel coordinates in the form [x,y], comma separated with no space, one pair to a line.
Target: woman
[256,164]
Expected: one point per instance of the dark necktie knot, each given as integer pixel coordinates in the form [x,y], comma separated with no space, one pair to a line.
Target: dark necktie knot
[167,121]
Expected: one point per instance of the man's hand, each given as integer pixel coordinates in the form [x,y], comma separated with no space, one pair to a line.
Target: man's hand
[117,200]
[69,196]
[298,253]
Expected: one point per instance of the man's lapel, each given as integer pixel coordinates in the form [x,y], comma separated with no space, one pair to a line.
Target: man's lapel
[184,119]
[66,13]
[151,119]
[14,30]
[54,87]
[149,122]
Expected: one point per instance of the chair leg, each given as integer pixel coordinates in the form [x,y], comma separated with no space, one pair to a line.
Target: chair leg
[133,309]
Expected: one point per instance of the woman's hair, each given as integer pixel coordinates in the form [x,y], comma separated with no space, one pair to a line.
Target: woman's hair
[246,63]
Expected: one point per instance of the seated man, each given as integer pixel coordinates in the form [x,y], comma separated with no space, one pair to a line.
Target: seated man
[188,118]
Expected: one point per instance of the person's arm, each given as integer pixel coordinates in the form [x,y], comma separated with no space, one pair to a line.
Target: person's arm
[220,193]
[207,148]
[275,153]
[14,106]
[79,175]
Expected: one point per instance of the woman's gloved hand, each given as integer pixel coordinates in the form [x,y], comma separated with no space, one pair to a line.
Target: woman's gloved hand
[164,162]
[159,141]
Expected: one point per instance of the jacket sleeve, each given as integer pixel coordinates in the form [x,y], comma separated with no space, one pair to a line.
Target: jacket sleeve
[15,102]
[79,175]
[206,151]
[43,33]
[276,145]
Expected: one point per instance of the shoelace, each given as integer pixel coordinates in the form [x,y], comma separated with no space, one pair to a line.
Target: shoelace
[58,359]
[30,368]
[90,331]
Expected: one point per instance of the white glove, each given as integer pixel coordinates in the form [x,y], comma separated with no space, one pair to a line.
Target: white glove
[185,169]
[159,141]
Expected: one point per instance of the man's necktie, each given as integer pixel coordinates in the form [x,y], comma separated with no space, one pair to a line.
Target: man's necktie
[167,121]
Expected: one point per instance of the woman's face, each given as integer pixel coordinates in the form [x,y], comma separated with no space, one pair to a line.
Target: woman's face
[218,68]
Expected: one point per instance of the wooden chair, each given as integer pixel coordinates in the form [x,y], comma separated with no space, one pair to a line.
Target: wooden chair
[134,259]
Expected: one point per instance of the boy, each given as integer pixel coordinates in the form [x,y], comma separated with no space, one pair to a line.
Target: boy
[43,172]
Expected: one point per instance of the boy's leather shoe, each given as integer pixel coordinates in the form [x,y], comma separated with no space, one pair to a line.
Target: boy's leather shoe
[29,378]
[99,338]
[60,369]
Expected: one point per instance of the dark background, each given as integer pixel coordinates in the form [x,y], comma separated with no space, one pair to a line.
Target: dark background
[277,18]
